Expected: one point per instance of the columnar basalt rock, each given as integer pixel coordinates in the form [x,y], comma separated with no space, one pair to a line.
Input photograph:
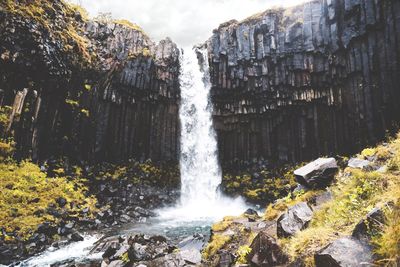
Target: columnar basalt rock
[318,78]
[94,90]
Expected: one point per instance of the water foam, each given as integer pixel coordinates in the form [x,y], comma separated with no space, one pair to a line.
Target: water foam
[199,167]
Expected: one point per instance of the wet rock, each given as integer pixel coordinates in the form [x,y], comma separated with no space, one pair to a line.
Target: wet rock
[359,163]
[47,228]
[144,212]
[75,237]
[317,174]
[344,252]
[296,218]
[265,251]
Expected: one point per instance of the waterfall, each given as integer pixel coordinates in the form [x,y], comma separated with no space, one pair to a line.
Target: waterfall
[199,166]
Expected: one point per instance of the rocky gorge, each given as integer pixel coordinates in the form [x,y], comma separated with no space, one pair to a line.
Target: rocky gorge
[91,145]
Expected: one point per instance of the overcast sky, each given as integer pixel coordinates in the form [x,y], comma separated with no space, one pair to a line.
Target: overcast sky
[187,22]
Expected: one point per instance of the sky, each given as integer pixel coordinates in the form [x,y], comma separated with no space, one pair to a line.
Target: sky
[186,22]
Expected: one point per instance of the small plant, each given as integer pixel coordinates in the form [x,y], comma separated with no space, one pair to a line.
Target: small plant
[242,253]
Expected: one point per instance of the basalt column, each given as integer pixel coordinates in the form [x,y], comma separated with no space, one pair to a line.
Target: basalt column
[316,79]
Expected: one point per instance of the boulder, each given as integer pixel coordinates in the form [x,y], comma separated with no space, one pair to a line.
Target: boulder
[251,214]
[195,241]
[370,225]
[192,256]
[76,237]
[139,252]
[296,218]
[225,259]
[265,251]
[344,252]
[317,174]
[359,163]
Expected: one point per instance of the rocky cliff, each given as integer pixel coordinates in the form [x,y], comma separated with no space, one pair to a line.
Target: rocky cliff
[87,89]
[316,79]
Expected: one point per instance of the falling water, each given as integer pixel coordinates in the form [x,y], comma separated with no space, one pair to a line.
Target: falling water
[200,171]
[199,166]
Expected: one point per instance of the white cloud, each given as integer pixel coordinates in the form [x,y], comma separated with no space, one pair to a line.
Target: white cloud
[187,22]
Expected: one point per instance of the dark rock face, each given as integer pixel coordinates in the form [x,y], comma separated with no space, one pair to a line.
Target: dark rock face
[101,90]
[319,78]
[344,252]
[317,174]
[266,252]
[295,219]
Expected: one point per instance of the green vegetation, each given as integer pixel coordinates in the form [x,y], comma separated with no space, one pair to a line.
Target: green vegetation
[242,253]
[223,225]
[268,187]
[217,242]
[130,25]
[69,32]
[138,173]
[274,210]
[356,193]
[28,195]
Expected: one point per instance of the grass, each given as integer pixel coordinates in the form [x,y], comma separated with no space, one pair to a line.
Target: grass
[42,12]
[27,193]
[217,242]
[356,193]
[274,210]
[222,225]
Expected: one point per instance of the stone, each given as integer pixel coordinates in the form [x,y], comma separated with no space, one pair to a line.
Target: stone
[139,252]
[76,237]
[61,202]
[192,256]
[125,218]
[295,219]
[317,174]
[226,259]
[359,163]
[344,252]
[265,251]
[195,241]
[369,226]
[117,263]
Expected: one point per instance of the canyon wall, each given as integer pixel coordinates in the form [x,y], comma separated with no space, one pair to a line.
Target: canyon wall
[317,79]
[91,90]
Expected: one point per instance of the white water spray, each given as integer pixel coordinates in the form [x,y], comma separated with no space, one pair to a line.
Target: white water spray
[199,166]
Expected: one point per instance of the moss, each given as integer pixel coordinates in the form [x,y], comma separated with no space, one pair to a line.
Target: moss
[368,152]
[242,253]
[72,103]
[69,32]
[217,242]
[388,243]
[85,112]
[356,193]
[130,25]
[27,193]
[274,210]
[262,188]
[222,225]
